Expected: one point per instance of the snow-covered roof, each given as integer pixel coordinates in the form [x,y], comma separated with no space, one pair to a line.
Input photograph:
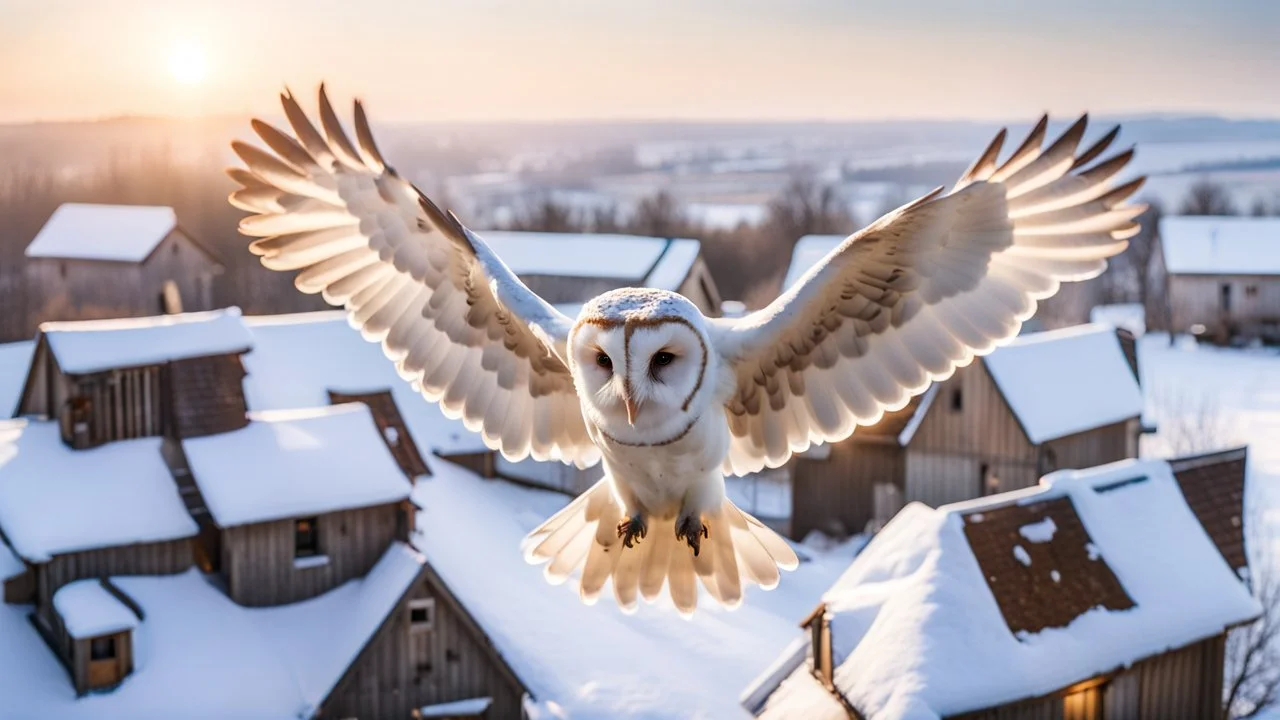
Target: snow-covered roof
[1066,381]
[93,345]
[198,654]
[292,463]
[567,654]
[88,610]
[123,233]
[917,630]
[56,500]
[298,359]
[459,708]
[15,361]
[632,258]
[11,565]
[1221,245]
[807,252]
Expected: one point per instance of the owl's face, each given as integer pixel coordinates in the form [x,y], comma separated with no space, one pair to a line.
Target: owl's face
[641,372]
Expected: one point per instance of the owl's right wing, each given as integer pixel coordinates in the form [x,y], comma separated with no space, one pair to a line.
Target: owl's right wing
[459,325]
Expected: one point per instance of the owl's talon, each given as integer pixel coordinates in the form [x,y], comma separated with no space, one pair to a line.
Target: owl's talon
[692,530]
[632,530]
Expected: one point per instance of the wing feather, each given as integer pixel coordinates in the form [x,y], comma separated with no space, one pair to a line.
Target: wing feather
[920,292]
[457,323]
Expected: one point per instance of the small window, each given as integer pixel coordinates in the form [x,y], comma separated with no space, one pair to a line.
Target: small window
[422,614]
[306,541]
[1226,297]
[1251,291]
[957,400]
[102,648]
[62,270]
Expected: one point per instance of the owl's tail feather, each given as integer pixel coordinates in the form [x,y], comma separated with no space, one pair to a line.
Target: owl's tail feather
[738,550]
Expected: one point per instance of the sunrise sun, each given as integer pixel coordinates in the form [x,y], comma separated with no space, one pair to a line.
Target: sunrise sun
[188,64]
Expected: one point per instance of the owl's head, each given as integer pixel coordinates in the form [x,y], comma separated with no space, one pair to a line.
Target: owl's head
[642,362]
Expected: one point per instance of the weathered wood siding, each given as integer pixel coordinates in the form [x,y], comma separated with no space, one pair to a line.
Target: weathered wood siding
[837,495]
[113,405]
[258,559]
[701,289]
[401,669]
[1183,684]
[99,290]
[207,395]
[88,674]
[1092,447]
[1198,299]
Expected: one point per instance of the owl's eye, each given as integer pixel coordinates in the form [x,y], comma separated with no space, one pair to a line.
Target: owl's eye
[663,359]
[603,361]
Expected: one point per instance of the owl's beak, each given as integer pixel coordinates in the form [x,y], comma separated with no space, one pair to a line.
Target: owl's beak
[633,409]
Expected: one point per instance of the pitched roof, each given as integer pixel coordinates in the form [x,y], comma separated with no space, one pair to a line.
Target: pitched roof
[923,625]
[88,610]
[88,346]
[1220,245]
[568,654]
[1213,484]
[123,233]
[56,500]
[807,252]
[630,258]
[297,360]
[295,463]
[1066,381]
[203,651]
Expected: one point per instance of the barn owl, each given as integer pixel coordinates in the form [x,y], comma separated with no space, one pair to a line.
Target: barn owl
[670,400]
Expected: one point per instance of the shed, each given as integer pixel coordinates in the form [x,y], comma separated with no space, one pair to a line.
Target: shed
[1061,399]
[1043,602]
[107,261]
[1220,277]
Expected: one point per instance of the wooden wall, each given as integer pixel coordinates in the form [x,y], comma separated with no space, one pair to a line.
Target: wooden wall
[258,559]
[1183,684]
[1197,299]
[701,289]
[88,674]
[207,395]
[1092,447]
[100,290]
[401,670]
[837,495]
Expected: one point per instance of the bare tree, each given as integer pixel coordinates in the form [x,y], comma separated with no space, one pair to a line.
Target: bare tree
[1259,207]
[1189,422]
[658,216]
[1206,197]
[547,215]
[1251,670]
[807,208]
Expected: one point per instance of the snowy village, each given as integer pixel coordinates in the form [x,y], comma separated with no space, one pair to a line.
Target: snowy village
[318,404]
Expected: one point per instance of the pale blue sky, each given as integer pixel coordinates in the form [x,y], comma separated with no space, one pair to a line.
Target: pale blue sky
[725,59]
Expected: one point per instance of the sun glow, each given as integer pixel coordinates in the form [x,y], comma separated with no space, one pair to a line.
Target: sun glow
[188,64]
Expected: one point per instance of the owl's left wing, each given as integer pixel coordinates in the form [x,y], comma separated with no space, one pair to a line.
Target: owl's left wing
[459,325]
[920,292]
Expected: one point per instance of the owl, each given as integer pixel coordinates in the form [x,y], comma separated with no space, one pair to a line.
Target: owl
[669,400]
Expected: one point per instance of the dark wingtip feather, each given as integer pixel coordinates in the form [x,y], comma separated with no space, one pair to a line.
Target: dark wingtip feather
[333,130]
[364,136]
[1096,149]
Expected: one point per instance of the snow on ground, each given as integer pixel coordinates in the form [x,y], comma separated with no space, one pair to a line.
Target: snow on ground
[295,463]
[595,661]
[15,358]
[198,655]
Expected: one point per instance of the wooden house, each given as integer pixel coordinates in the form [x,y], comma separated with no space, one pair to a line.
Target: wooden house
[1218,278]
[1049,602]
[92,262]
[1061,399]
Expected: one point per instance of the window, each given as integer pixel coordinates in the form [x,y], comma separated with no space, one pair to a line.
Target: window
[102,648]
[1251,291]
[422,614]
[306,541]
[1226,297]
[957,400]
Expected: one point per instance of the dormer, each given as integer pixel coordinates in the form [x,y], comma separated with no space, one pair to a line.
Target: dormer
[106,380]
[95,634]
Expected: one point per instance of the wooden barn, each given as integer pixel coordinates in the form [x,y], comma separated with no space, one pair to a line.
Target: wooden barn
[93,262]
[1219,278]
[1049,602]
[1061,399]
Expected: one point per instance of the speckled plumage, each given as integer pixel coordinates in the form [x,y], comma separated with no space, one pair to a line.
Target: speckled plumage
[670,400]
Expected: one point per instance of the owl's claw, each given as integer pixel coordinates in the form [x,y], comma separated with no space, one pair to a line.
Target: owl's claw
[692,530]
[632,530]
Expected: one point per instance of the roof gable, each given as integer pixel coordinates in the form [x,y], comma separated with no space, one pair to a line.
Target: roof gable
[121,233]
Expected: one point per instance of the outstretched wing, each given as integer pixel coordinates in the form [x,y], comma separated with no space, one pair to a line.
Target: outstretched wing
[457,322]
[921,292]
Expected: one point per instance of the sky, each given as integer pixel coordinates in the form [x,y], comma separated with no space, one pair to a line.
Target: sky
[461,60]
